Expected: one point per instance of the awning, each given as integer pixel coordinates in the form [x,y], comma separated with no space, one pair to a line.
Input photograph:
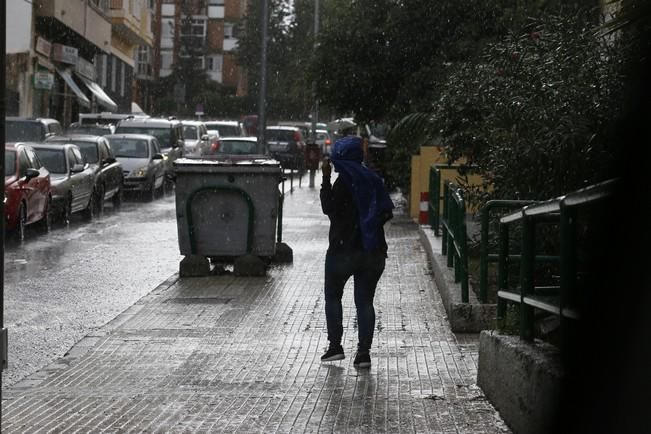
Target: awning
[72,85]
[102,98]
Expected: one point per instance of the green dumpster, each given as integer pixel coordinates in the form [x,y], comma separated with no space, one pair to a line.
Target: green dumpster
[226,210]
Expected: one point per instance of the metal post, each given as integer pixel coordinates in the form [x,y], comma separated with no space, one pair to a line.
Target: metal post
[568,273]
[483,254]
[502,270]
[315,109]
[3,59]
[526,276]
[262,120]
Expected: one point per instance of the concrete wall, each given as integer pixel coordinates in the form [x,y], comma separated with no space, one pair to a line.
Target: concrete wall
[522,380]
[420,168]
[19,27]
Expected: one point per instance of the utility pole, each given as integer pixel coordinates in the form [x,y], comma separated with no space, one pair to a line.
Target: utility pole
[262,120]
[315,107]
[4,351]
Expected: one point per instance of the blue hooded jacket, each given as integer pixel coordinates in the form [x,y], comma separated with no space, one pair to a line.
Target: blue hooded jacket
[369,194]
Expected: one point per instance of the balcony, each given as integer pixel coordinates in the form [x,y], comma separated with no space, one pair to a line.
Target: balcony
[130,22]
[87,21]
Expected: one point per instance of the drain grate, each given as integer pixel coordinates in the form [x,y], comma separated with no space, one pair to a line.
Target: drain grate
[199,300]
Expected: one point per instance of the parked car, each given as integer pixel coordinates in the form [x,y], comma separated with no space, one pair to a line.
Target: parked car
[142,162]
[71,179]
[18,129]
[234,146]
[90,129]
[196,138]
[27,190]
[286,144]
[168,131]
[226,128]
[108,176]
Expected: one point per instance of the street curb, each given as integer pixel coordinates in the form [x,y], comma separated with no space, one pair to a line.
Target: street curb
[522,380]
[472,317]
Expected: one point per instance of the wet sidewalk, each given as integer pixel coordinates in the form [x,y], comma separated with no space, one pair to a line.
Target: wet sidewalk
[233,354]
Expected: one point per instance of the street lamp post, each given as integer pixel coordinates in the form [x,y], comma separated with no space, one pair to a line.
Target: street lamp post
[262,120]
[315,107]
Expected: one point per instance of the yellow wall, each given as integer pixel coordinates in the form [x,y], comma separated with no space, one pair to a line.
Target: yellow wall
[420,168]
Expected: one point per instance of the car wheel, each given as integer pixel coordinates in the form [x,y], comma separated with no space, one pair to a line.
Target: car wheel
[22,222]
[89,212]
[118,198]
[99,201]
[66,214]
[45,224]
[149,195]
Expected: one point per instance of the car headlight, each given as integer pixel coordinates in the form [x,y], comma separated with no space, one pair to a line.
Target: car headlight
[140,173]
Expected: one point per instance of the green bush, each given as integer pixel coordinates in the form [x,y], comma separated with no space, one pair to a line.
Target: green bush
[533,114]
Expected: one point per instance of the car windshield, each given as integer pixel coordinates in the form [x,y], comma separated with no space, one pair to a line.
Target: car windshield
[92,130]
[10,162]
[88,150]
[54,160]
[190,132]
[162,134]
[23,131]
[225,130]
[280,135]
[238,147]
[130,148]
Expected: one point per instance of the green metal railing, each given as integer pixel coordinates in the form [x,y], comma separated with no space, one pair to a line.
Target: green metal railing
[454,236]
[484,256]
[435,197]
[562,300]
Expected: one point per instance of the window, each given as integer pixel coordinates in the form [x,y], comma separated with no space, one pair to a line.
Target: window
[101,69]
[23,164]
[214,62]
[122,78]
[215,2]
[229,31]
[114,72]
[166,60]
[195,27]
[34,162]
[79,159]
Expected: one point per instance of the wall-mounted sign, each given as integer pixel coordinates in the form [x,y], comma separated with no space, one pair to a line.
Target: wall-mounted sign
[85,68]
[43,80]
[64,54]
[43,47]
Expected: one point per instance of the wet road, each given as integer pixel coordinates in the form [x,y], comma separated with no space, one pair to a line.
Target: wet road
[62,285]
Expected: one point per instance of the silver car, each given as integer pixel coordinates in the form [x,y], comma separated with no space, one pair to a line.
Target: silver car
[196,138]
[71,178]
[142,162]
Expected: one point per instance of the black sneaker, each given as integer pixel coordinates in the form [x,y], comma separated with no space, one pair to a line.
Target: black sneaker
[335,352]
[362,360]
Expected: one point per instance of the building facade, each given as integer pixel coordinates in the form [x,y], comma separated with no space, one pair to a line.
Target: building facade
[70,56]
[208,25]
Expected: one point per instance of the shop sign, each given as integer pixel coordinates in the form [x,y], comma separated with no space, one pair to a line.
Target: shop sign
[65,54]
[85,68]
[43,80]
[43,47]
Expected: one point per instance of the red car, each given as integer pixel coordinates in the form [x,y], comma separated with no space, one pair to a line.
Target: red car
[27,190]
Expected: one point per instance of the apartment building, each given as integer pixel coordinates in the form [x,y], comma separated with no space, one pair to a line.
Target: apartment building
[212,27]
[71,56]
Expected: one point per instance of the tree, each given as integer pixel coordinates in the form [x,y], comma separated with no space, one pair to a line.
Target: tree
[289,51]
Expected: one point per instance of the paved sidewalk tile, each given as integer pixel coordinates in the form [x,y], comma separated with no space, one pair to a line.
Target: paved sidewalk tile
[232,354]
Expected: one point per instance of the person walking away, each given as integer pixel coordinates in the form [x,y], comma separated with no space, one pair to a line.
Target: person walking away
[357,205]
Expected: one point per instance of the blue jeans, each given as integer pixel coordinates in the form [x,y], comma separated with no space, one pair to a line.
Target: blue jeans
[366,269]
